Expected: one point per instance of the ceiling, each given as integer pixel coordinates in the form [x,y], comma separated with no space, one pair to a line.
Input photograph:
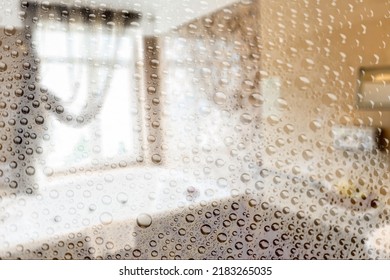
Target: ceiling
[158,15]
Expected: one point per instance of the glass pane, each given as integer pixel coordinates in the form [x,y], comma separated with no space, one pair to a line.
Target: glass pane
[250,129]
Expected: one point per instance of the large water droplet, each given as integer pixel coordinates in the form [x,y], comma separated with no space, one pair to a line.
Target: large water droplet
[144,220]
[9,30]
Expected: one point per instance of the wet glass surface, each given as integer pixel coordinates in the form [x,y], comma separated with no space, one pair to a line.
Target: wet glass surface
[194,130]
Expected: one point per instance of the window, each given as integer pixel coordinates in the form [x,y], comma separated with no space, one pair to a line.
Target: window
[194,129]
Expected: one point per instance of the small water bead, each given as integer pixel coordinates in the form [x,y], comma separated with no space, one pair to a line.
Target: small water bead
[30,170]
[240,222]
[68,256]
[39,120]
[154,63]
[256,99]
[201,250]
[156,158]
[182,232]
[264,244]
[279,252]
[235,206]
[122,197]
[137,253]
[252,202]
[106,199]
[59,109]
[205,229]
[3,66]
[222,237]
[219,98]
[110,245]
[144,220]
[245,177]
[246,118]
[19,92]
[308,154]
[222,182]
[220,162]
[190,218]
[239,245]
[25,110]
[18,140]
[106,218]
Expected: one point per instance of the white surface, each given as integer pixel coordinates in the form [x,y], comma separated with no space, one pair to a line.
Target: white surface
[74,203]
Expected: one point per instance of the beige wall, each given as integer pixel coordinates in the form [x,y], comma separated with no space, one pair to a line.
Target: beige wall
[330,43]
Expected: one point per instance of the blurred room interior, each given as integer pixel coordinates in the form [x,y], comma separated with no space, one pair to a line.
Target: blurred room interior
[194,129]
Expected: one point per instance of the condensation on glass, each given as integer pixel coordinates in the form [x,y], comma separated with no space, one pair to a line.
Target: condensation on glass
[194,129]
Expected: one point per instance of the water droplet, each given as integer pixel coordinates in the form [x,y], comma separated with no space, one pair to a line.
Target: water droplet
[307,154]
[252,202]
[59,109]
[239,245]
[264,244]
[154,63]
[279,252]
[156,158]
[144,220]
[99,240]
[190,218]
[110,245]
[201,250]
[122,197]
[68,256]
[315,125]
[3,67]
[219,98]
[39,120]
[256,99]
[222,182]
[18,140]
[19,92]
[246,118]
[106,218]
[205,229]
[245,177]
[9,30]
[137,253]
[45,6]
[330,98]
[30,170]
[182,232]
[222,237]
[303,82]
